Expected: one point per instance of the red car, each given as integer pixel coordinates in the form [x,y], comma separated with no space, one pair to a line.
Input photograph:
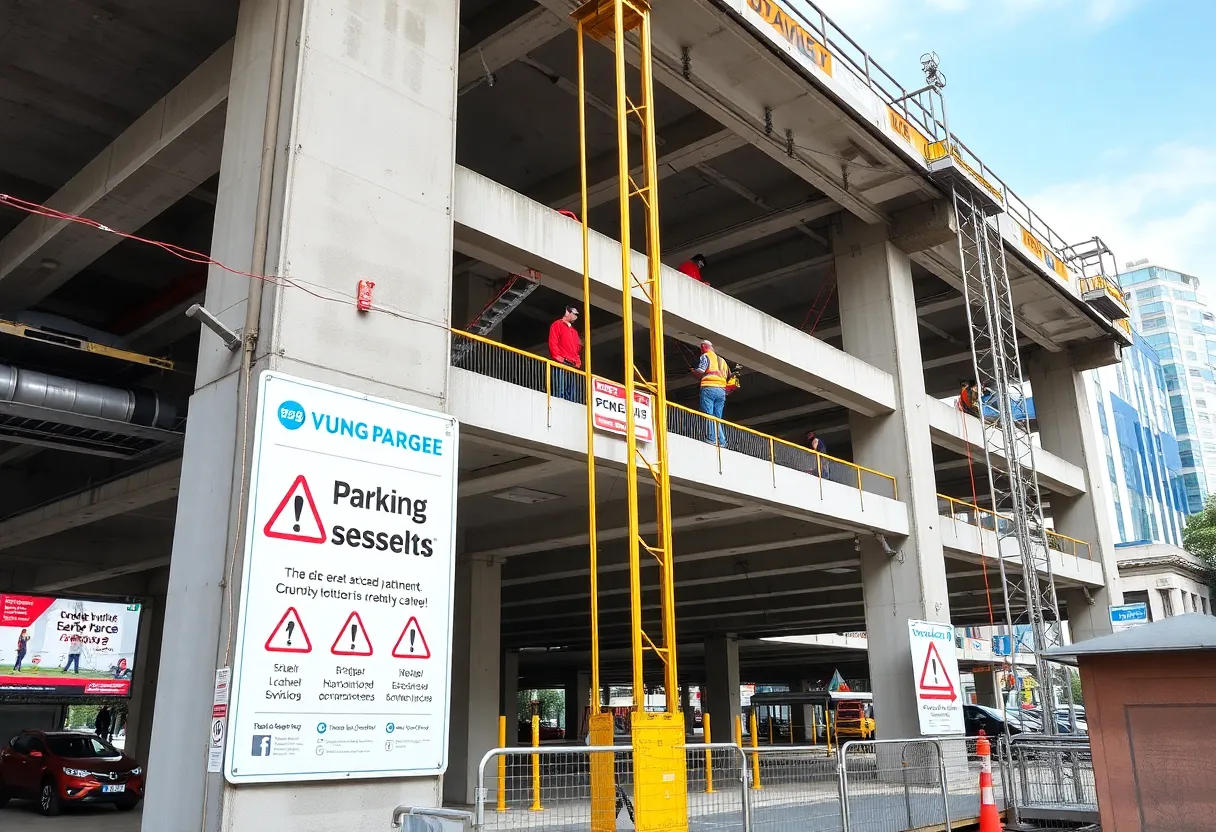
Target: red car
[65,768]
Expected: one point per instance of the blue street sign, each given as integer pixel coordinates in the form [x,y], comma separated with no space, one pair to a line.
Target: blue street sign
[1126,616]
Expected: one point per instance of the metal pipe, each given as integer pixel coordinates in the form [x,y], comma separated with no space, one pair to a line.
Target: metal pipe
[132,407]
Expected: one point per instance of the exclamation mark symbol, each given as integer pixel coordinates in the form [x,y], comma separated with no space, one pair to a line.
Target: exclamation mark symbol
[413,633]
[935,671]
[298,505]
[354,629]
[291,625]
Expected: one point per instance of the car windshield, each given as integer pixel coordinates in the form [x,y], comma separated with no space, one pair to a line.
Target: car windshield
[79,746]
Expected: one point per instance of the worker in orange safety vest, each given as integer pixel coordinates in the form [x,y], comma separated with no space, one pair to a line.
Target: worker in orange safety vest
[713,373]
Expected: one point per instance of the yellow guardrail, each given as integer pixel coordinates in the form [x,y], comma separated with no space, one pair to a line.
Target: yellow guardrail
[515,366]
[983,518]
[1125,324]
[1101,284]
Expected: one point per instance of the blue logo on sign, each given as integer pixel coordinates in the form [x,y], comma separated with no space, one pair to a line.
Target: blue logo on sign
[291,415]
[390,727]
[321,727]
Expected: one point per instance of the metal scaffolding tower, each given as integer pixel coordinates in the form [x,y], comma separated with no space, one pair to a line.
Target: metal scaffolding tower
[660,784]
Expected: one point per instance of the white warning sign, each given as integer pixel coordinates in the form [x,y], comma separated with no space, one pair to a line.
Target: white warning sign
[349,560]
[935,669]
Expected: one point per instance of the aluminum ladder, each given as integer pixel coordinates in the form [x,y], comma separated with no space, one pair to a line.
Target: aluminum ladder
[513,293]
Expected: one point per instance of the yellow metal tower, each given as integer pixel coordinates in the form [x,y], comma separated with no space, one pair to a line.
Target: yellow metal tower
[660,783]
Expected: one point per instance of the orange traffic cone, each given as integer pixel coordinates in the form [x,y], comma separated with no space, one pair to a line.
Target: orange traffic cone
[990,819]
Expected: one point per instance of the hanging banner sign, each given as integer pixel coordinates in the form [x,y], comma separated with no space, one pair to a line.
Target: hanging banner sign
[608,410]
[349,559]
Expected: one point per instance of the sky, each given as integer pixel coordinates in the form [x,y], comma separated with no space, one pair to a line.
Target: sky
[1100,114]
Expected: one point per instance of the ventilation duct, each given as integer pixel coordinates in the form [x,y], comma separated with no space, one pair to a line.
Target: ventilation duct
[53,411]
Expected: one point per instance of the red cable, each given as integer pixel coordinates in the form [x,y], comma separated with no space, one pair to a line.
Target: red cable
[975,501]
[180,252]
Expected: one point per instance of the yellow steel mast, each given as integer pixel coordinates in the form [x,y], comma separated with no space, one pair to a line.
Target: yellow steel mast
[660,784]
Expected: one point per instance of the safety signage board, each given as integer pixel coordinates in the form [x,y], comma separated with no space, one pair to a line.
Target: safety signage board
[608,410]
[1125,616]
[349,559]
[939,701]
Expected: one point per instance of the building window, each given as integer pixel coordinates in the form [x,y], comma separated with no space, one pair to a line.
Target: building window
[1167,602]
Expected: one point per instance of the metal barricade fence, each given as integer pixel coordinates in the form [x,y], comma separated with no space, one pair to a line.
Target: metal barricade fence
[550,788]
[1050,780]
[799,789]
[963,784]
[420,819]
[893,785]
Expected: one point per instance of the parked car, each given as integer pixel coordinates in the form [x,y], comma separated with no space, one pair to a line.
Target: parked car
[992,721]
[63,768]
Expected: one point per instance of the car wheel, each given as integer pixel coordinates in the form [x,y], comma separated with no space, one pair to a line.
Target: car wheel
[126,805]
[48,800]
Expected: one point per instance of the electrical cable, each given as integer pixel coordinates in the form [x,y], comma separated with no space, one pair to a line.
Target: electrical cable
[191,256]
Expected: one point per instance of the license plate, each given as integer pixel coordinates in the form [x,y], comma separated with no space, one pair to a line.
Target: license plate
[113,789]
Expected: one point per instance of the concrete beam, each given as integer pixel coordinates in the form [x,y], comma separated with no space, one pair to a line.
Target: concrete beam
[144,488]
[751,230]
[159,159]
[518,38]
[509,474]
[93,576]
[503,227]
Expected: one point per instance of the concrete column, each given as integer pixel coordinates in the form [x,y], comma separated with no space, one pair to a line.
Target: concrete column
[143,694]
[720,698]
[362,185]
[987,691]
[476,632]
[578,699]
[808,712]
[879,325]
[1061,404]
[510,695]
[690,720]
[1156,608]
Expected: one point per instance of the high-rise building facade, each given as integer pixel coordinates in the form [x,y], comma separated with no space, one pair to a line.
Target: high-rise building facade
[1168,310]
[1143,459]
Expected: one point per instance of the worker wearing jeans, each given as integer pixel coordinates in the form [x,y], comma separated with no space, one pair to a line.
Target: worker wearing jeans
[565,348]
[73,654]
[713,372]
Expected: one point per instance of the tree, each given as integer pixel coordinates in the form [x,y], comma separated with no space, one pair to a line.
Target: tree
[1077,697]
[1199,538]
[552,704]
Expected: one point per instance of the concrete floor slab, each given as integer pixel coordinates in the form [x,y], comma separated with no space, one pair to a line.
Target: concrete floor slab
[23,816]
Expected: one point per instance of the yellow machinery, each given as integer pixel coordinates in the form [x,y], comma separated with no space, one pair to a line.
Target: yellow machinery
[660,783]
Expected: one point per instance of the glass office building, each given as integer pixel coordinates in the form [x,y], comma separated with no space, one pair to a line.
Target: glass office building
[1171,315]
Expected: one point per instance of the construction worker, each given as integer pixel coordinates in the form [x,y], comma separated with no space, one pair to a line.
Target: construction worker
[566,348]
[820,463]
[713,372]
[693,267]
[969,399]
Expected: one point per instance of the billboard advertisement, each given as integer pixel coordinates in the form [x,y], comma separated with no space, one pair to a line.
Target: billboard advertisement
[65,646]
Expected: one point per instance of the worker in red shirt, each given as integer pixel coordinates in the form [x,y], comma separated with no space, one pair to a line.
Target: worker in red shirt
[693,267]
[566,348]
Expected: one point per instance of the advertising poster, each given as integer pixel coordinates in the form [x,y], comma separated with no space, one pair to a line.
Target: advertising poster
[65,646]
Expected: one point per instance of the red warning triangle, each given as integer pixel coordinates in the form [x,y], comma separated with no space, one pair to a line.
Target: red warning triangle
[289,635]
[935,681]
[411,644]
[352,639]
[290,521]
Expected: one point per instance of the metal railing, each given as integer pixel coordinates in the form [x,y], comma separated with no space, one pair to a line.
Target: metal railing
[1051,778]
[562,798]
[799,788]
[894,784]
[859,62]
[515,366]
[973,515]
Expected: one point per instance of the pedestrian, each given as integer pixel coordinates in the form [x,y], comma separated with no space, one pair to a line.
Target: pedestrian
[566,348]
[820,449]
[693,267]
[101,725]
[713,373]
[73,655]
[23,643]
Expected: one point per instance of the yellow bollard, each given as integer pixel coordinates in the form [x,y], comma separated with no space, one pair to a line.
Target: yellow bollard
[738,730]
[536,807]
[827,726]
[502,765]
[709,757]
[770,727]
[755,756]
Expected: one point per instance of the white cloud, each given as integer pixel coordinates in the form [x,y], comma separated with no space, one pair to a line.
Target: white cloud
[1160,205]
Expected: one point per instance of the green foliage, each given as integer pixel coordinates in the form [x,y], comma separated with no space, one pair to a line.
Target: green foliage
[82,717]
[552,704]
[1077,696]
[1199,538]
